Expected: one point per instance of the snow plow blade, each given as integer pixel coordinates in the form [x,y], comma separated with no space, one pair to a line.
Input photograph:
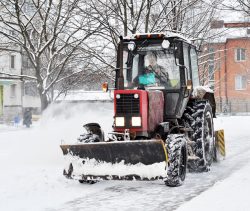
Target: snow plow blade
[121,160]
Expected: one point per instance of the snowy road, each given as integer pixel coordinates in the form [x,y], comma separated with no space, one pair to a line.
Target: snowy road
[32,164]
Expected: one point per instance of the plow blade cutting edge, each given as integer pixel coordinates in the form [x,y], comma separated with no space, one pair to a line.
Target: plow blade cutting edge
[121,160]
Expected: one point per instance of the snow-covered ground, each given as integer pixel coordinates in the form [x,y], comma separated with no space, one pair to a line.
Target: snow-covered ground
[32,163]
[229,194]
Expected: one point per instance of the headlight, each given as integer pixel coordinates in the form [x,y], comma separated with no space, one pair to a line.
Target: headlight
[131,46]
[119,121]
[118,96]
[136,121]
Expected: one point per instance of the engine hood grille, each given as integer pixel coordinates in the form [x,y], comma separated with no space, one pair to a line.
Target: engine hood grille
[127,104]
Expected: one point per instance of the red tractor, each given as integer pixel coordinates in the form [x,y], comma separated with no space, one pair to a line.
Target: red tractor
[163,118]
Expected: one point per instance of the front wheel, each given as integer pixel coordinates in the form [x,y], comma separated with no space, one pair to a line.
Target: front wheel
[177,159]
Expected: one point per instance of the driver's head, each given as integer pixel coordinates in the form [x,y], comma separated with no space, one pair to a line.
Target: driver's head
[151,59]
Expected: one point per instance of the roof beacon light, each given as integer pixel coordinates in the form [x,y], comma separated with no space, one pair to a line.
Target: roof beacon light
[149,36]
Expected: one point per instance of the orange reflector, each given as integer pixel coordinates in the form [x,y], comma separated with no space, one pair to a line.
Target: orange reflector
[149,36]
[105,87]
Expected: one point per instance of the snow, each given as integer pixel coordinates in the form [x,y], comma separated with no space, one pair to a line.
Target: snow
[94,167]
[81,95]
[32,163]
[200,91]
[86,166]
[233,192]
[230,194]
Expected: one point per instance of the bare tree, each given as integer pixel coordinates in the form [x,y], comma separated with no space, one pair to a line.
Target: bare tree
[50,32]
[237,5]
[125,17]
[63,38]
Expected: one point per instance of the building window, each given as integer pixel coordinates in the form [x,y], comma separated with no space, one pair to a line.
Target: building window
[211,55]
[13,90]
[12,61]
[240,54]
[211,71]
[240,82]
[30,88]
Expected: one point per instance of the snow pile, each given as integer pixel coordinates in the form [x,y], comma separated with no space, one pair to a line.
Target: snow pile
[97,168]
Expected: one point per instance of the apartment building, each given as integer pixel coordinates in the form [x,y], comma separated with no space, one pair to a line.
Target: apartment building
[16,92]
[225,67]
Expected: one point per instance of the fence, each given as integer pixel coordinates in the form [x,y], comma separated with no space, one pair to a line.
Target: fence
[234,107]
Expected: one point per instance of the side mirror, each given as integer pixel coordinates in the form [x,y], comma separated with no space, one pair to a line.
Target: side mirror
[105,87]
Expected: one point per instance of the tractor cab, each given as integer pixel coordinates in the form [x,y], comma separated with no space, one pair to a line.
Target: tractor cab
[159,62]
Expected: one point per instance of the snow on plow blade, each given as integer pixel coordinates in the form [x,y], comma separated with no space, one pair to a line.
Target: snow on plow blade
[121,160]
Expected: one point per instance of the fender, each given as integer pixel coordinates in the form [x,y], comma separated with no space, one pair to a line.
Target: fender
[204,92]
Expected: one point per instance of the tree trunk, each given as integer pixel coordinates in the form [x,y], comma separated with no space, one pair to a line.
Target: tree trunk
[44,102]
[147,16]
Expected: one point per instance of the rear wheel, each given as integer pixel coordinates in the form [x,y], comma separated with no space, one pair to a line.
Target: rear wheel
[198,115]
[177,159]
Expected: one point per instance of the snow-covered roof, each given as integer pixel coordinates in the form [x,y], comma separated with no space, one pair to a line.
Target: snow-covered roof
[173,34]
[231,20]
[167,35]
[221,35]
[81,95]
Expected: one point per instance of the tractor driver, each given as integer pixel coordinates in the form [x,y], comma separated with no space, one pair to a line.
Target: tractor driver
[161,76]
